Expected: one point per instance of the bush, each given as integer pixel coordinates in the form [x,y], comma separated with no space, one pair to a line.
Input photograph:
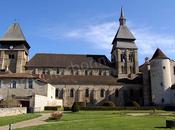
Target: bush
[56,115]
[136,105]
[54,108]
[10,102]
[75,107]
[107,104]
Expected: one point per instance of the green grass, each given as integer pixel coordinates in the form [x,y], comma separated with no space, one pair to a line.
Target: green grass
[107,120]
[18,118]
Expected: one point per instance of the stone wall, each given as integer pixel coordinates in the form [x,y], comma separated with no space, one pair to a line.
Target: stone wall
[42,101]
[12,111]
[94,97]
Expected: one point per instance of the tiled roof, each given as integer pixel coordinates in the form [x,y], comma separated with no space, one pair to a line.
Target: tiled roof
[69,61]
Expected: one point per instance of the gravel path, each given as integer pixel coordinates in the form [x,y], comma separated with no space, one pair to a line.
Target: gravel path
[33,122]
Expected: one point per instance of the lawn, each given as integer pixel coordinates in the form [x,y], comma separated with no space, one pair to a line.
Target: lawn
[14,119]
[108,120]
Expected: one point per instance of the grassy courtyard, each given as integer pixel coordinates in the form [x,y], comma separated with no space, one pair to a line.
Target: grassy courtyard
[109,120]
[14,119]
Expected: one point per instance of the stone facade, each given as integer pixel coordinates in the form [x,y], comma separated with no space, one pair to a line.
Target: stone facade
[92,95]
[12,111]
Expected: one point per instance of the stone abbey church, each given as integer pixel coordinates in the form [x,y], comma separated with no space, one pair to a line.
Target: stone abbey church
[88,79]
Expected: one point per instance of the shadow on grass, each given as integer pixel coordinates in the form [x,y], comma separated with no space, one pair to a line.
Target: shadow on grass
[162,127]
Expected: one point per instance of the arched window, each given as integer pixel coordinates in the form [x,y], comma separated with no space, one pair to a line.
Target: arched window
[102,93]
[13,84]
[100,72]
[76,72]
[72,72]
[86,72]
[116,93]
[57,93]
[90,72]
[72,92]
[87,92]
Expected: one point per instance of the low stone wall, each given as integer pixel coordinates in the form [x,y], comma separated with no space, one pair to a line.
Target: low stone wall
[12,111]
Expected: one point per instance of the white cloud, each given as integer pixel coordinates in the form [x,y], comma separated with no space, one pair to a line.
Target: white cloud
[101,35]
[147,41]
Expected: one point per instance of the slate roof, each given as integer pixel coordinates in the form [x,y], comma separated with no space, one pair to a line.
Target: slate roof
[80,80]
[15,34]
[69,61]
[159,55]
[124,33]
[16,75]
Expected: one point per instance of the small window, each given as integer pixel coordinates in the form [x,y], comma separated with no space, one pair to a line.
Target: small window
[86,72]
[100,72]
[163,100]
[30,84]
[164,67]
[11,56]
[87,93]
[57,91]
[72,93]
[72,72]
[116,93]
[76,72]
[161,84]
[44,71]
[90,72]
[58,71]
[104,73]
[13,84]
[102,93]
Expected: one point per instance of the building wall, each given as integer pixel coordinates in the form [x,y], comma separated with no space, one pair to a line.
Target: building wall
[41,101]
[67,71]
[12,111]
[161,81]
[22,88]
[16,63]
[95,97]
[129,66]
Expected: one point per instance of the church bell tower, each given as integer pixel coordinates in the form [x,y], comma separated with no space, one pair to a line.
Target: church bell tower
[124,55]
[14,50]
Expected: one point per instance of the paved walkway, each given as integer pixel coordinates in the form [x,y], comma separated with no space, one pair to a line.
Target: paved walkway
[33,122]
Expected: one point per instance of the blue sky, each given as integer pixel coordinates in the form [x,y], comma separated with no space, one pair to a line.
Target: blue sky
[88,26]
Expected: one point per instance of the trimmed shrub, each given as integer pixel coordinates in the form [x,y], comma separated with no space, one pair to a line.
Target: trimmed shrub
[75,107]
[136,105]
[107,104]
[54,108]
[56,115]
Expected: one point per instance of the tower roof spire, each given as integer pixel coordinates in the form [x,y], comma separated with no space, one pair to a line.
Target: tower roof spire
[122,19]
[14,33]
